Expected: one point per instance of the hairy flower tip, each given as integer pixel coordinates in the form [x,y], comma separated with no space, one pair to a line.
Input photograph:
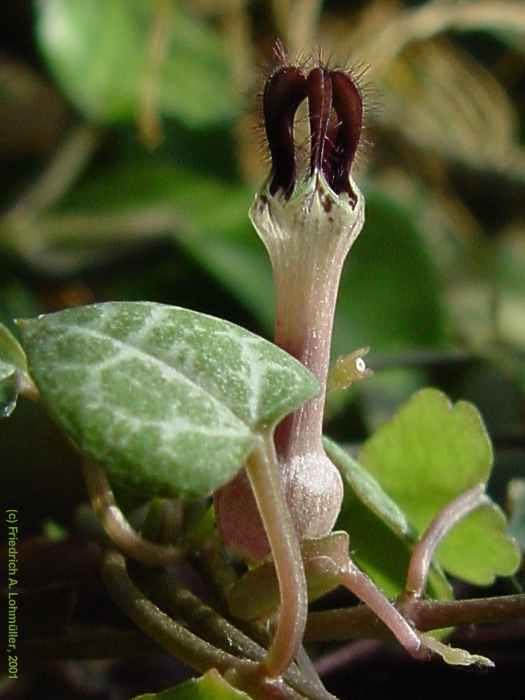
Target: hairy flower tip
[335,110]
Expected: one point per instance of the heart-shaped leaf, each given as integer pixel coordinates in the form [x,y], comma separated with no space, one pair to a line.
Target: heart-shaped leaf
[211,686]
[171,401]
[426,456]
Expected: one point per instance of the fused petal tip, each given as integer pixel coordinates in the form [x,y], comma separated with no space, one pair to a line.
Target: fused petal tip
[335,108]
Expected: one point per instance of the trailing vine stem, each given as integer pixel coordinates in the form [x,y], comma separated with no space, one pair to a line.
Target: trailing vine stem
[263,472]
[219,631]
[360,622]
[440,526]
[118,528]
[171,635]
[359,583]
[184,644]
[342,624]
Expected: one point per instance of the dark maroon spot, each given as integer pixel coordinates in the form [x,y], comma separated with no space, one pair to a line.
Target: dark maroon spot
[283,93]
[327,204]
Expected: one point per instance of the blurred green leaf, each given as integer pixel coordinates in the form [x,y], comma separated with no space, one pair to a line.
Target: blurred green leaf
[8,390]
[509,264]
[516,498]
[386,390]
[16,301]
[12,362]
[509,26]
[429,454]
[510,260]
[11,352]
[513,39]
[169,400]
[207,217]
[54,531]
[389,298]
[102,55]
[211,686]
[381,538]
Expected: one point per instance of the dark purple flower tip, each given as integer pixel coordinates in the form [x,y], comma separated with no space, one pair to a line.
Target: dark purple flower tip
[348,106]
[336,118]
[283,94]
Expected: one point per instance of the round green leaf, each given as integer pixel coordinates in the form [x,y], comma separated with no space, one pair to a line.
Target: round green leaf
[171,401]
[426,456]
[381,538]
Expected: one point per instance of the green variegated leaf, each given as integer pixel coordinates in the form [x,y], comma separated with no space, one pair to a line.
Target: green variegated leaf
[211,686]
[171,401]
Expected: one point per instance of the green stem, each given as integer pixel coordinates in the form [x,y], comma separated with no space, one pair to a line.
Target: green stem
[183,644]
[359,583]
[219,631]
[171,635]
[338,625]
[360,622]
[215,628]
[444,521]
[117,527]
